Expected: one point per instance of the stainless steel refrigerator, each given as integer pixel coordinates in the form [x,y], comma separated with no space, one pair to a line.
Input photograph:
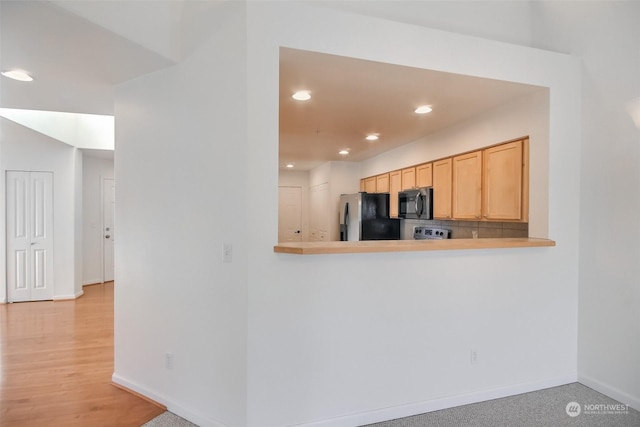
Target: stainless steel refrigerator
[365,216]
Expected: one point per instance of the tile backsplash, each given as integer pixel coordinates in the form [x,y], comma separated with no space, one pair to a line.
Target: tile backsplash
[464,229]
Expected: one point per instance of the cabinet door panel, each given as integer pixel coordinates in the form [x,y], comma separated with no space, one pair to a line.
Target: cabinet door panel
[424,177]
[503,182]
[467,186]
[370,184]
[442,189]
[408,178]
[395,185]
[382,183]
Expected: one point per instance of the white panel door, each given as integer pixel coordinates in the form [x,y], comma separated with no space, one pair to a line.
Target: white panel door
[108,230]
[289,214]
[29,226]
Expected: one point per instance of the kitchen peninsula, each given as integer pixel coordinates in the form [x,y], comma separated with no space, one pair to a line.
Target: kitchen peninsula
[319,248]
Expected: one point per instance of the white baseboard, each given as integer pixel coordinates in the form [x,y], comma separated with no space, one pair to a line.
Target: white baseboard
[438,404]
[612,392]
[371,416]
[91,282]
[68,297]
[189,415]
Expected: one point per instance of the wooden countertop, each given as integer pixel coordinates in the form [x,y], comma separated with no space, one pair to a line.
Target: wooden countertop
[318,248]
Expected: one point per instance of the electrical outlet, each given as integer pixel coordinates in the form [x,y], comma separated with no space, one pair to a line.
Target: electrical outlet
[474,356]
[227,252]
[168,361]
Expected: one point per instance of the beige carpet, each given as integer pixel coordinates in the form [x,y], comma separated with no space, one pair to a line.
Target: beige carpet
[168,419]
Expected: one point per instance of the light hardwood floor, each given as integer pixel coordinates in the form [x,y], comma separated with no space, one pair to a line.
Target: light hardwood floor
[56,361]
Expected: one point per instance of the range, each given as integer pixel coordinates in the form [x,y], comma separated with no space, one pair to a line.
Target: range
[422,233]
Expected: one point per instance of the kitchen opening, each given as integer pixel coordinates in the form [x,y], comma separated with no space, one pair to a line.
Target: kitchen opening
[377,151]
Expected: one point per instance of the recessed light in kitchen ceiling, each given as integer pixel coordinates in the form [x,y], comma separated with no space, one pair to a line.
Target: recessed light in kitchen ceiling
[17,75]
[343,152]
[302,95]
[423,109]
[372,137]
[289,165]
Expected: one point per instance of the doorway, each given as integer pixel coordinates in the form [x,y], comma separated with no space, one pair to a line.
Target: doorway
[289,214]
[108,229]
[29,230]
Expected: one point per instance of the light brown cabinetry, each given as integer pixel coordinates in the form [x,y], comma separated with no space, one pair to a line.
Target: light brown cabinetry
[408,178]
[442,189]
[382,183]
[395,185]
[490,184]
[467,186]
[503,190]
[370,184]
[424,176]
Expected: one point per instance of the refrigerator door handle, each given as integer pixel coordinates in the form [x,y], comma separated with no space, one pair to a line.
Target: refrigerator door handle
[346,221]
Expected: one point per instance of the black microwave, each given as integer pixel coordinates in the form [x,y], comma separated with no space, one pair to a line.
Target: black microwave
[416,203]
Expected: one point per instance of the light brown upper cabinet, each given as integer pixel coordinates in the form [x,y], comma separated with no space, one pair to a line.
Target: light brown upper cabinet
[382,183]
[504,171]
[395,185]
[442,189]
[408,178]
[467,186]
[490,184]
[370,184]
[424,177]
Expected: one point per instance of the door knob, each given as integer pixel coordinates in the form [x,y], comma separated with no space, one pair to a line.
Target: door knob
[298,232]
[107,236]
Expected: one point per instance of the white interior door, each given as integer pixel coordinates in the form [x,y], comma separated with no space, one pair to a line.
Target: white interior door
[289,214]
[108,230]
[29,228]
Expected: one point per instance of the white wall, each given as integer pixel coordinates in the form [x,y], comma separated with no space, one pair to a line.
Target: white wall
[94,170]
[528,116]
[606,36]
[350,339]
[24,149]
[183,191]
[342,178]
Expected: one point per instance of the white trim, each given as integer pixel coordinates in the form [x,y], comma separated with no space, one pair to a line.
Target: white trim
[187,414]
[102,178]
[438,404]
[609,390]
[92,282]
[68,297]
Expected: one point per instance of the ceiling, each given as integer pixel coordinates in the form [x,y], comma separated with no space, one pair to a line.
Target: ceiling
[352,98]
[75,63]
[78,51]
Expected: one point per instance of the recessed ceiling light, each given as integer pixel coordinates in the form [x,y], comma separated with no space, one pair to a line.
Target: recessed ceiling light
[301,95]
[372,137]
[423,109]
[289,165]
[343,152]
[17,75]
